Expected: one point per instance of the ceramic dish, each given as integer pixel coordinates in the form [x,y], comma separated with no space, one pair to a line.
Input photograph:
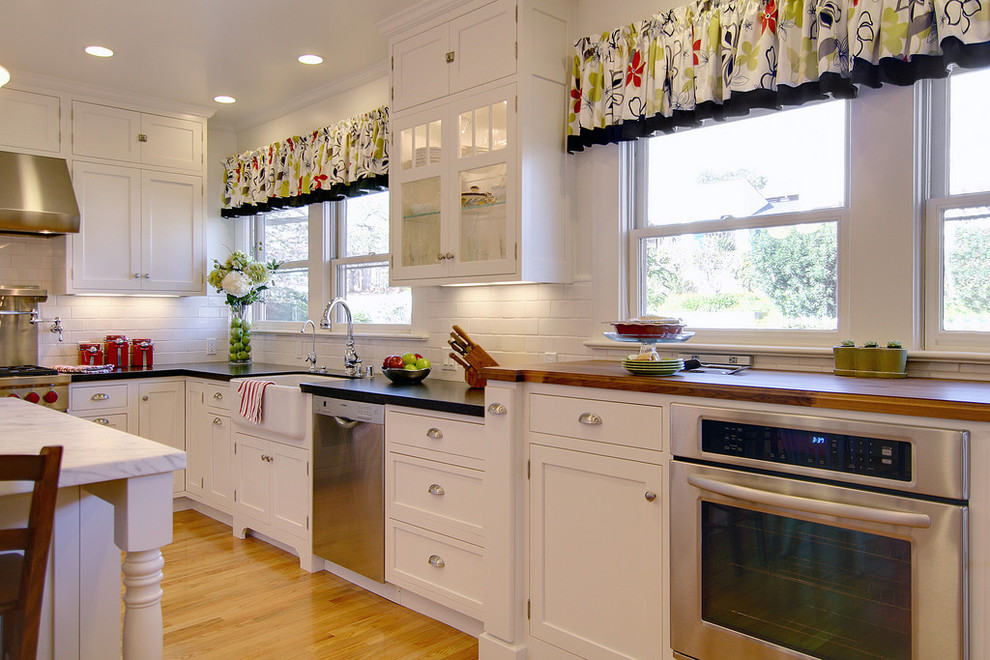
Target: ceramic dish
[406,375]
[653,368]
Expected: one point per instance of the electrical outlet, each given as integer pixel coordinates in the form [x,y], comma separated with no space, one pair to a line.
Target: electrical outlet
[448,363]
[549,357]
[211,346]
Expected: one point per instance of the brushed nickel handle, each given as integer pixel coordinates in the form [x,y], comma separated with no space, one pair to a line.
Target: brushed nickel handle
[436,560]
[435,433]
[497,409]
[440,256]
[650,496]
[142,137]
[144,398]
[99,396]
[102,420]
[217,421]
[136,276]
[436,489]
[218,395]
[449,255]
[147,276]
[590,419]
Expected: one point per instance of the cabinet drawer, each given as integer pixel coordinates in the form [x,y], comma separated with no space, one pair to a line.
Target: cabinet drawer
[443,497]
[115,421]
[626,424]
[435,433]
[437,567]
[217,397]
[97,397]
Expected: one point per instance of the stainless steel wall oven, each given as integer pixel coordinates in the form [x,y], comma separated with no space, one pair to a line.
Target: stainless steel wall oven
[796,536]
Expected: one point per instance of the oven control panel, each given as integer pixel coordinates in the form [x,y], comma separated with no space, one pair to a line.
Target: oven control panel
[836,452]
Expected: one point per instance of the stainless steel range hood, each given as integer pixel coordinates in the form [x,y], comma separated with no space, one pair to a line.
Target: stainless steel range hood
[36,195]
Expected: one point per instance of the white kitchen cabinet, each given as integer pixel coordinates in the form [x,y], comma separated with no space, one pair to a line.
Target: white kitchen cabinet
[29,121]
[142,232]
[161,417]
[469,50]
[478,174]
[209,464]
[434,477]
[106,132]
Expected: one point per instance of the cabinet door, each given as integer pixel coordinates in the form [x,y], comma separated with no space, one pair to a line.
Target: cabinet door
[219,486]
[172,233]
[290,489]
[484,45]
[106,253]
[595,554]
[171,142]
[29,121]
[419,68]
[253,476]
[101,131]
[197,435]
[161,417]
[483,228]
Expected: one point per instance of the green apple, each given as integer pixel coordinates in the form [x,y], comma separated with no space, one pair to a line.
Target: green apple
[409,358]
[410,366]
[236,332]
[242,356]
[235,322]
[422,363]
[236,348]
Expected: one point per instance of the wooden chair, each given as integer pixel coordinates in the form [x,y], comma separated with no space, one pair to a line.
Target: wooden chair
[22,576]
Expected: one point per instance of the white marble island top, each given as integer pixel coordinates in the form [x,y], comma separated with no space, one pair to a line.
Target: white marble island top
[93,453]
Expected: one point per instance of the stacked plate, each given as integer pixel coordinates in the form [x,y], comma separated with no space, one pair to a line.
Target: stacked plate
[663,367]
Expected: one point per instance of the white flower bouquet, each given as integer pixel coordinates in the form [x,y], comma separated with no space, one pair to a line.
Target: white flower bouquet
[241,277]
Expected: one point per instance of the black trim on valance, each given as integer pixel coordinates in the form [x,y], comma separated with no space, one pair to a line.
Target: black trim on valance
[375,183]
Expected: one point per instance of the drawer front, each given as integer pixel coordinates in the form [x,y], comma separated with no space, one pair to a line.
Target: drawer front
[97,397]
[115,421]
[446,498]
[628,424]
[437,567]
[436,433]
[217,397]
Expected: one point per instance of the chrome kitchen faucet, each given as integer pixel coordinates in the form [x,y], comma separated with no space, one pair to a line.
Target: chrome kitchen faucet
[311,358]
[352,363]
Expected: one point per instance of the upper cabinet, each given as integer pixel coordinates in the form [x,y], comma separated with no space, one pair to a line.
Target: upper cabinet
[478,169]
[29,121]
[100,131]
[468,51]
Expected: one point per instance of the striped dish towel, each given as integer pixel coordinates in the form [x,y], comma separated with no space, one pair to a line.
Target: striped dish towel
[252,396]
[84,368]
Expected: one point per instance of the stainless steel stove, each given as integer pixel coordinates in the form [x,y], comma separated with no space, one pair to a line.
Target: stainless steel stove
[41,385]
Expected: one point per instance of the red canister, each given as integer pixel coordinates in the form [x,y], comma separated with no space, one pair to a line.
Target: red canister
[90,353]
[117,349]
[142,353]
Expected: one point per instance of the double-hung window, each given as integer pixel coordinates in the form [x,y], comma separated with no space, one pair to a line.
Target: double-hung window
[957,214]
[736,224]
[283,235]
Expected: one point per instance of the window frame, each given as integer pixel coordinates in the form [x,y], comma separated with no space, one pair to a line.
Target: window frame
[256,237]
[637,177]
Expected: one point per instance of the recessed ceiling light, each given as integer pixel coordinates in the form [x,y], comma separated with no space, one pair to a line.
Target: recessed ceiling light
[311,59]
[224,99]
[4,76]
[99,51]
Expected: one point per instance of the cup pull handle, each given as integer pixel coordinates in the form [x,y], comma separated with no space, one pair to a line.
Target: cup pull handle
[436,489]
[590,419]
[434,433]
[436,560]
[497,409]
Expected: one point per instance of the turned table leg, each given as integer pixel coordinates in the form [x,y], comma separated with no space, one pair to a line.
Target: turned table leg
[143,603]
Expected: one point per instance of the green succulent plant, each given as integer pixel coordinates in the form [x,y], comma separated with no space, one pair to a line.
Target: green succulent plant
[871,344]
[848,343]
[893,343]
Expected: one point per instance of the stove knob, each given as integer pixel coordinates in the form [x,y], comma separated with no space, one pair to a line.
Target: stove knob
[13,395]
[50,396]
[32,397]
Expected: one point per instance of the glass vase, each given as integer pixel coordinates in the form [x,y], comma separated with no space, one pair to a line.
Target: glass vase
[240,334]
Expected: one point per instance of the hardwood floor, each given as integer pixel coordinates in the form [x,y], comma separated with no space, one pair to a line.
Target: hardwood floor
[231,598]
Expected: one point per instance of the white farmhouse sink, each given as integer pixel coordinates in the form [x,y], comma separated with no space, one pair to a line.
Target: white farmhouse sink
[287,414]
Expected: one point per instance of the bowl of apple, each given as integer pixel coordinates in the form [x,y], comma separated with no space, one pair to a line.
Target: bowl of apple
[408,368]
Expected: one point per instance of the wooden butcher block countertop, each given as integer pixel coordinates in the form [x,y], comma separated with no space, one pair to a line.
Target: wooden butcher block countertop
[918,397]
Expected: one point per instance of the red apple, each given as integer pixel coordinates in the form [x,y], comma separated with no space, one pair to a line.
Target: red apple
[393,362]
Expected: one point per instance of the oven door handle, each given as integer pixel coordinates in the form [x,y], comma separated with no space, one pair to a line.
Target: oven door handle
[808,505]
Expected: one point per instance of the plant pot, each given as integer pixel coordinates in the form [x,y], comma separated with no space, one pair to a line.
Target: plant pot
[892,360]
[845,357]
[239,345]
[868,359]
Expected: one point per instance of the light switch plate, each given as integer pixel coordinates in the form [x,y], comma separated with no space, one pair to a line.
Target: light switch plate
[211,346]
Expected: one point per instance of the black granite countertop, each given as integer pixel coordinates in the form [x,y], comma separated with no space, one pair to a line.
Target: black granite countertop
[430,394]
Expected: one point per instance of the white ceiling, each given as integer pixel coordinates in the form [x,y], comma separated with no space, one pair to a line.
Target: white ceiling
[189,51]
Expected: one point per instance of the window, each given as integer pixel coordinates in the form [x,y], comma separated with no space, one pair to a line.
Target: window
[737,223]
[958,214]
[352,262]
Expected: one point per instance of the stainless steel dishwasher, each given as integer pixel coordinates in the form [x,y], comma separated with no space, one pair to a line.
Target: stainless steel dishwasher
[349,485]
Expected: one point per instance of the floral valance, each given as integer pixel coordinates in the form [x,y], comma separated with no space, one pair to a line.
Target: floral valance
[342,160]
[718,58]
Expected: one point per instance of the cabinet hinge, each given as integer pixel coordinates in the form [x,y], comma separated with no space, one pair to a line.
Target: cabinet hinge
[235,448]
[529,609]
[235,494]
[517,50]
[517,251]
[307,522]
[528,469]
[392,93]
[307,469]
[202,482]
[517,13]
[393,64]
[517,104]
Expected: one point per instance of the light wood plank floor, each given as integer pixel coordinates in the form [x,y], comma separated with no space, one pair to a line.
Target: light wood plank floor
[228,598]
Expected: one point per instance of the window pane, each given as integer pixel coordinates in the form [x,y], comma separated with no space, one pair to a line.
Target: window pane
[287,235]
[782,162]
[778,277]
[287,296]
[969,132]
[370,297]
[966,273]
[367,225]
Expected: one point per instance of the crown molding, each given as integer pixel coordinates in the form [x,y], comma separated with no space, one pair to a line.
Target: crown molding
[96,93]
[339,86]
[420,13]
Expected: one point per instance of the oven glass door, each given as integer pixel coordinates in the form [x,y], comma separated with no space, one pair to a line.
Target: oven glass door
[770,567]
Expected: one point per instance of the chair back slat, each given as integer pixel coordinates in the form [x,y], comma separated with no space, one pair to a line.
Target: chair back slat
[14,539]
[21,467]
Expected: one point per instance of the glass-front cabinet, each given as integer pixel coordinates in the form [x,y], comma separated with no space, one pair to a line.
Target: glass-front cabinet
[457,205]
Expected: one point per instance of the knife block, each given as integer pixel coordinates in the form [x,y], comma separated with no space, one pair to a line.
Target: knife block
[477,358]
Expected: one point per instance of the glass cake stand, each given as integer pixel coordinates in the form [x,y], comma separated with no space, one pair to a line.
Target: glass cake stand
[648,343]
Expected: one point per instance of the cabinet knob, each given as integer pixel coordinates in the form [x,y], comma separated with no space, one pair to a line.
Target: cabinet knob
[99,396]
[449,255]
[436,560]
[142,137]
[147,276]
[449,56]
[650,496]
[102,420]
[136,276]
[497,409]
[591,419]
[440,256]
[218,395]
[144,398]
[436,489]
[217,421]
[434,433]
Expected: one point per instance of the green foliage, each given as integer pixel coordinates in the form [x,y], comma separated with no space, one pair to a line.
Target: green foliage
[894,344]
[797,271]
[848,343]
[715,302]
[871,344]
[968,277]
[755,179]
